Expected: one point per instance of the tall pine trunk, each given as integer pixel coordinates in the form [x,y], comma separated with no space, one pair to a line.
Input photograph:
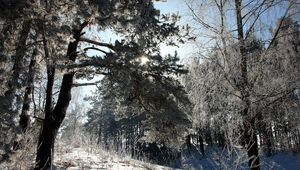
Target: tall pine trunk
[18,58]
[25,115]
[24,121]
[249,136]
[54,117]
[10,101]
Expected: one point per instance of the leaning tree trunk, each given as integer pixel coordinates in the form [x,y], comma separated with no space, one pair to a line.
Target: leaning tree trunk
[54,117]
[249,135]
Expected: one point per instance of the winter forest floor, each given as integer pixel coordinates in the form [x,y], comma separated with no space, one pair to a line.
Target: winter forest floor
[85,156]
[72,157]
[94,158]
[80,157]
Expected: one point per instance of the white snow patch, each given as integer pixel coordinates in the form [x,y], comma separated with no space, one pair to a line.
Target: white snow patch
[94,159]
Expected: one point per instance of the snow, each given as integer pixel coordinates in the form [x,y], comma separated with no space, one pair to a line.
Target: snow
[217,158]
[94,158]
[282,160]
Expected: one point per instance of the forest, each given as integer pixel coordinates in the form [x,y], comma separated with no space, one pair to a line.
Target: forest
[149,84]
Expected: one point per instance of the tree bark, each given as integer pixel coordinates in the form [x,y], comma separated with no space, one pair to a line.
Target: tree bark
[249,136]
[201,144]
[188,142]
[54,117]
[10,80]
[14,83]
[25,115]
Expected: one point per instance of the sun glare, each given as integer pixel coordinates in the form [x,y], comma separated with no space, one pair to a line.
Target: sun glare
[143,60]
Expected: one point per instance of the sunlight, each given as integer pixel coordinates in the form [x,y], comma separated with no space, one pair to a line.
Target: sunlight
[143,60]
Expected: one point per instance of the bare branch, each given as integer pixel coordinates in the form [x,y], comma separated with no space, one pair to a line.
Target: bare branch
[281,94]
[203,23]
[98,43]
[280,24]
[256,18]
[86,84]
[94,48]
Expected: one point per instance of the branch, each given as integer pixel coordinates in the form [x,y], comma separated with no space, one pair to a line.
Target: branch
[102,19]
[86,84]
[283,93]
[286,94]
[203,23]
[94,63]
[94,48]
[229,93]
[280,25]
[30,44]
[38,119]
[252,11]
[256,18]
[233,85]
[247,4]
[98,43]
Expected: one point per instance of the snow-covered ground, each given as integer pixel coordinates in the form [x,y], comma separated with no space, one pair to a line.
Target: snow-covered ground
[282,161]
[92,158]
[216,158]
[75,158]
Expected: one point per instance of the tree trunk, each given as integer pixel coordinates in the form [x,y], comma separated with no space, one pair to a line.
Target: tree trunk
[99,141]
[25,115]
[46,144]
[52,124]
[267,137]
[221,140]
[188,142]
[201,145]
[54,118]
[14,83]
[208,137]
[7,100]
[250,137]
[8,105]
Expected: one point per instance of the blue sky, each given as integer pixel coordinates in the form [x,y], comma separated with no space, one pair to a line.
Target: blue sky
[178,7]
[172,6]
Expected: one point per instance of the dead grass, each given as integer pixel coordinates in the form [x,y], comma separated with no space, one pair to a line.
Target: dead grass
[23,157]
